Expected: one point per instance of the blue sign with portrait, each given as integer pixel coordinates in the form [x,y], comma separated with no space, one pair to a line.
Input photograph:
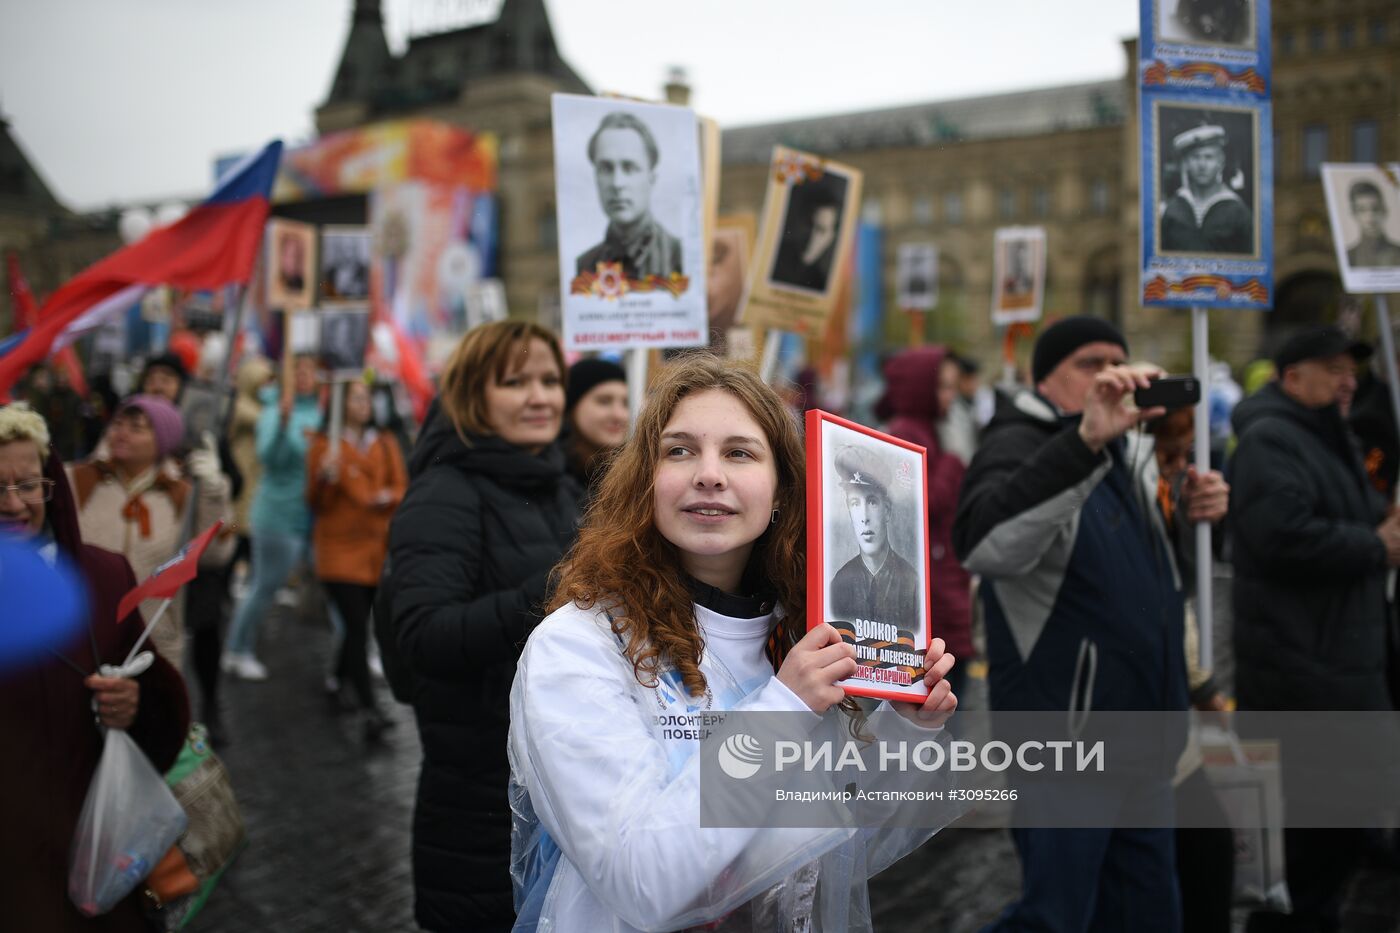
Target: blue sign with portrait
[1206,137]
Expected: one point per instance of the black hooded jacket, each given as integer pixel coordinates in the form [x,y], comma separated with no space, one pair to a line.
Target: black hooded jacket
[471,548]
[1310,607]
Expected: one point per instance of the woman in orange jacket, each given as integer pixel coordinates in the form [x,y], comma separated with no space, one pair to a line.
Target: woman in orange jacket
[353,491]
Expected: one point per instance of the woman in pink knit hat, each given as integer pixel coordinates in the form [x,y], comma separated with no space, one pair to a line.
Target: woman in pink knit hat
[133,501]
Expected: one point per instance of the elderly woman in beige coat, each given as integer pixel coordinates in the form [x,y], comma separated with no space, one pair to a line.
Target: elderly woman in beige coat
[133,501]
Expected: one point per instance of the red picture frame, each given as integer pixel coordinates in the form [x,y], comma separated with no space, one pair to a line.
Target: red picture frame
[872,470]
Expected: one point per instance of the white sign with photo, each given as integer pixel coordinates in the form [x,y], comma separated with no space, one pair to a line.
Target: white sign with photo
[1363,202]
[630,217]
[916,277]
[343,339]
[1018,275]
[344,261]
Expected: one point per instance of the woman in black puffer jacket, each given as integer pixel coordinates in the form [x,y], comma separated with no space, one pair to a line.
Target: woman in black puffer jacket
[488,513]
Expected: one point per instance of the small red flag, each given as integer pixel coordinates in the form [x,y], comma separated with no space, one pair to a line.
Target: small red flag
[165,581]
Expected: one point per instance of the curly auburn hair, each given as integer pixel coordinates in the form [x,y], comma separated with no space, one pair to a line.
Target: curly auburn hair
[621,560]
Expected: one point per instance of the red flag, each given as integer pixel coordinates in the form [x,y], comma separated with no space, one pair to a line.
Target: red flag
[165,581]
[27,315]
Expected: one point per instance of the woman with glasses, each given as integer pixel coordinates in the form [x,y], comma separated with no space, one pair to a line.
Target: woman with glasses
[52,709]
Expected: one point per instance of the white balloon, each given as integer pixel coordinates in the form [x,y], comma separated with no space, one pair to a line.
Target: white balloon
[134,224]
[170,212]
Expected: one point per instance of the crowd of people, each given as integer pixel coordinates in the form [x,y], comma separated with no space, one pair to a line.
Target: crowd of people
[542,578]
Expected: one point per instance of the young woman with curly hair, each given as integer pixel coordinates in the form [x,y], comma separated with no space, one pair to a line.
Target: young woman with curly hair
[684,593]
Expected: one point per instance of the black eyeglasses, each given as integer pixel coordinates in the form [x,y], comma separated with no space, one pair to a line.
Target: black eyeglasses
[32,491]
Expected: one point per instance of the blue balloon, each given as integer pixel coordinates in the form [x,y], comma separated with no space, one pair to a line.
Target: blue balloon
[42,605]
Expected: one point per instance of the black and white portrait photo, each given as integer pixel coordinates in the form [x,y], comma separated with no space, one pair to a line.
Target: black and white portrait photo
[345,259]
[873,556]
[1018,269]
[916,276]
[1363,202]
[624,155]
[344,339]
[877,583]
[1208,184]
[1206,22]
[811,232]
[628,196]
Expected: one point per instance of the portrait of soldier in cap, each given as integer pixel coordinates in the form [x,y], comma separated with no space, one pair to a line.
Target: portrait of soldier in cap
[1205,215]
[877,584]
[624,155]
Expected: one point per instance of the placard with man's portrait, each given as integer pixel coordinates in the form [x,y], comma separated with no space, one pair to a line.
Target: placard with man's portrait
[630,216]
[345,261]
[810,215]
[344,339]
[916,276]
[1363,202]
[1206,202]
[1018,275]
[289,270]
[867,543]
[1212,46]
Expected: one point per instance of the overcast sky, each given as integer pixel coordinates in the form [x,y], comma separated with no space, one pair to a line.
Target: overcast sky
[121,100]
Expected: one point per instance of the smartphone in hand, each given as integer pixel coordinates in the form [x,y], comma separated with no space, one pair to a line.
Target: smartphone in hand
[1169,392]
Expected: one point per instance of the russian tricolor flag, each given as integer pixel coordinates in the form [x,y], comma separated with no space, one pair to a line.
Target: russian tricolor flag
[214,245]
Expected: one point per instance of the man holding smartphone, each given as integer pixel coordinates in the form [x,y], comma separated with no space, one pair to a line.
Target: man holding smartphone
[1083,608]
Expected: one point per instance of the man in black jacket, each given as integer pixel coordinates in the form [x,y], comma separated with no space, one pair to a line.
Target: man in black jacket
[1313,543]
[1083,609]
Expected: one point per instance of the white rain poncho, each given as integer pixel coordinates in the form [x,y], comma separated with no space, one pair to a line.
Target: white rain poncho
[606,807]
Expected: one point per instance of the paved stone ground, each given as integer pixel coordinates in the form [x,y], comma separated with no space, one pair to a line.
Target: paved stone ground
[328,823]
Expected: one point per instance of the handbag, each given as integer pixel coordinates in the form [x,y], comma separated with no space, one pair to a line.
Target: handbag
[180,884]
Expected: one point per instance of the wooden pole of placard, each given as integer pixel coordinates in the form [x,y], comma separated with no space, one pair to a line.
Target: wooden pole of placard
[336,427]
[637,359]
[1200,345]
[772,343]
[916,327]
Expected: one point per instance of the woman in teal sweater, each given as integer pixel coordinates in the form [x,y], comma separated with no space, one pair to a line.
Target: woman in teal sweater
[280,518]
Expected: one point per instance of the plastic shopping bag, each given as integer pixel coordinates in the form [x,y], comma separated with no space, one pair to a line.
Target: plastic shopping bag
[1247,783]
[129,820]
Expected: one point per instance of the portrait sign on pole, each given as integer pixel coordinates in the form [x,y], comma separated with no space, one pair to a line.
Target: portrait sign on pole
[345,260]
[809,221]
[1018,275]
[868,533]
[1363,202]
[1207,154]
[290,267]
[916,277]
[343,340]
[630,220]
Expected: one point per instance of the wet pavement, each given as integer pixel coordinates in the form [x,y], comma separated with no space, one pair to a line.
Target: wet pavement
[328,819]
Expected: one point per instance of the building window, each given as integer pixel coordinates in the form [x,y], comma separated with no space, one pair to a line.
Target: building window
[1379,31]
[953,207]
[1346,35]
[923,210]
[1006,204]
[1314,150]
[1365,141]
[1285,42]
[1317,39]
[1040,201]
[1098,197]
